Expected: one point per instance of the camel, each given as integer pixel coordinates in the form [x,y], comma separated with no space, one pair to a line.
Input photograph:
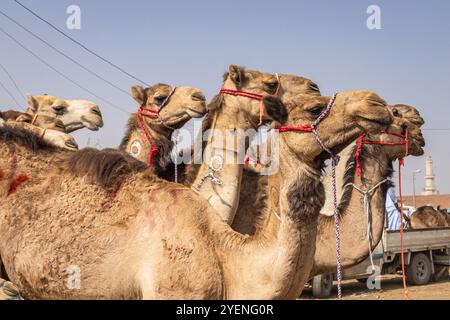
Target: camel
[222,187]
[429,217]
[49,128]
[155,233]
[183,104]
[42,121]
[75,114]
[376,167]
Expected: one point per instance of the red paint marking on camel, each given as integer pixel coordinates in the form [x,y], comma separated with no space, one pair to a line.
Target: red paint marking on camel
[2,175]
[110,197]
[174,192]
[15,182]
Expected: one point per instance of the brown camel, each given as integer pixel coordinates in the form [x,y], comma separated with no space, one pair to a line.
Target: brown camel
[428,217]
[75,114]
[155,233]
[183,104]
[376,167]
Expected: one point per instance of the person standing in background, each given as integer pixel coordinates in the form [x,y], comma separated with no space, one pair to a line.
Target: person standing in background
[392,210]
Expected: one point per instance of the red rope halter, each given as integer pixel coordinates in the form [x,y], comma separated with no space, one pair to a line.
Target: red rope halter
[147,112]
[362,142]
[401,163]
[335,159]
[253,96]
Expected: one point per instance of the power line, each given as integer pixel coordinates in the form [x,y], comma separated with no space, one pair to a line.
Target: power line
[13,81]
[60,73]
[64,54]
[80,44]
[10,95]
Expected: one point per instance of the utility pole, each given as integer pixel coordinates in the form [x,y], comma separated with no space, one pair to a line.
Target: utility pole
[414,186]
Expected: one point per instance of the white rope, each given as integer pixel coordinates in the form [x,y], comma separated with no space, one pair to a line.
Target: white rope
[367,195]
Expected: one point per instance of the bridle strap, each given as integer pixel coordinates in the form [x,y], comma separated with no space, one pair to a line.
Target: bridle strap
[144,111]
[335,159]
[253,96]
[362,142]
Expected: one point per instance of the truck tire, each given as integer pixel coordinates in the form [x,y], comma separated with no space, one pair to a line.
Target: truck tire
[418,272]
[322,285]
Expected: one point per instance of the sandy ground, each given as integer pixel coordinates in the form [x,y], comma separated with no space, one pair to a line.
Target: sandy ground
[391,289]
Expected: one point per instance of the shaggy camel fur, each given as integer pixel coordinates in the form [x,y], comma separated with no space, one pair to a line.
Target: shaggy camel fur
[185,103]
[155,233]
[75,114]
[428,217]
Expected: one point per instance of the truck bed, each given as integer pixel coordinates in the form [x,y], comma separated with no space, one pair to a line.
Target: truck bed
[418,240]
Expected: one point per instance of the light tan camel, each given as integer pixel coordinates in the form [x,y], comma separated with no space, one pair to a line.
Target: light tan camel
[41,121]
[376,167]
[49,128]
[221,129]
[183,104]
[161,240]
[75,114]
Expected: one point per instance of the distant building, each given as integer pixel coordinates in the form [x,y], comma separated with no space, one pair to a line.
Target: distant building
[430,195]
[442,200]
[430,186]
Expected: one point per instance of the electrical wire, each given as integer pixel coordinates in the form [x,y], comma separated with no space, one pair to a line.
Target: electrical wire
[60,73]
[81,45]
[64,54]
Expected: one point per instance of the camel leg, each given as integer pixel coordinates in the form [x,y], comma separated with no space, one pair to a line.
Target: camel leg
[8,291]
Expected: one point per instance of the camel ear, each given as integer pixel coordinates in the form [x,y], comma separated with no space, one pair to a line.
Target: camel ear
[33,104]
[275,109]
[236,74]
[139,95]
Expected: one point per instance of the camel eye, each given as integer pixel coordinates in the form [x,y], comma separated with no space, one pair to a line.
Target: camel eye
[59,110]
[316,111]
[160,99]
[270,86]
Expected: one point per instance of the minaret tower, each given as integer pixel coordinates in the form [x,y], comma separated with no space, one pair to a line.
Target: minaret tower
[430,187]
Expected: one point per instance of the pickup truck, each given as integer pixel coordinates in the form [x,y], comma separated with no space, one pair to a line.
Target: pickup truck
[427,257]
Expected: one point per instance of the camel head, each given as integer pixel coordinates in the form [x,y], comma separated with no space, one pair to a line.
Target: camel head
[42,121]
[292,85]
[254,82]
[352,114]
[75,114]
[409,113]
[182,104]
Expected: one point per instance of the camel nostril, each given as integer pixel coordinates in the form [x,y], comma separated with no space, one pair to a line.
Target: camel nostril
[198,96]
[96,110]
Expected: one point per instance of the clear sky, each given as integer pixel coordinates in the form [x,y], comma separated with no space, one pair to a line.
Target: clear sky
[193,42]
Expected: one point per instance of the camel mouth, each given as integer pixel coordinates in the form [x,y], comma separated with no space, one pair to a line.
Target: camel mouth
[71,145]
[93,124]
[195,113]
[177,122]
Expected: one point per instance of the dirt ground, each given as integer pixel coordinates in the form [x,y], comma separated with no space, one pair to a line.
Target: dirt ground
[391,289]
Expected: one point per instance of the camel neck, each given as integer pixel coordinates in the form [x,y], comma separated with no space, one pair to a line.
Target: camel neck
[376,167]
[286,245]
[219,176]
[137,144]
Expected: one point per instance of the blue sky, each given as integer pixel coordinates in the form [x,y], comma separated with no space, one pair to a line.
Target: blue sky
[193,42]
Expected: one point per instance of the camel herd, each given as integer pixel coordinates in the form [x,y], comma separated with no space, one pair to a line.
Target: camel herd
[220,232]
